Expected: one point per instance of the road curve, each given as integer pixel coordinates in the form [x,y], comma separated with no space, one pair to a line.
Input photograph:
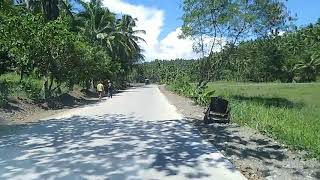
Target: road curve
[136,135]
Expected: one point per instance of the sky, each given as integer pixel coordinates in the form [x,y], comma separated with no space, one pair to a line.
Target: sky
[161,19]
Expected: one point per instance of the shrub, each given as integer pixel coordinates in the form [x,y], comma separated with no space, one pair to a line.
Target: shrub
[27,88]
[32,87]
[198,93]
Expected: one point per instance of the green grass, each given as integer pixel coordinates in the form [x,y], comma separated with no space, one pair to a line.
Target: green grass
[27,88]
[289,113]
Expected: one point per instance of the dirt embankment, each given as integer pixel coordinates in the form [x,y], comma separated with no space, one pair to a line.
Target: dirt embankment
[255,155]
[19,111]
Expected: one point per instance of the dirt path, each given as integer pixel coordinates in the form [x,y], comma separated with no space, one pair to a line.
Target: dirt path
[257,156]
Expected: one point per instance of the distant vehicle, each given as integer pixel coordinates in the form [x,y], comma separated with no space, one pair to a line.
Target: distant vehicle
[146,81]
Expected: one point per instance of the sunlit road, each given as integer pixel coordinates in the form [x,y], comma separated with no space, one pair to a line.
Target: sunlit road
[136,135]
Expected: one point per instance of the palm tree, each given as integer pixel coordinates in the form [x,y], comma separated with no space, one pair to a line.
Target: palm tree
[116,36]
[51,9]
[95,22]
[129,39]
[309,68]
[100,26]
[289,70]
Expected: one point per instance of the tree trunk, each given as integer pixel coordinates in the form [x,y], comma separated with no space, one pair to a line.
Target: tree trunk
[51,83]
[92,84]
[46,87]
[50,9]
[21,75]
[88,84]
[31,4]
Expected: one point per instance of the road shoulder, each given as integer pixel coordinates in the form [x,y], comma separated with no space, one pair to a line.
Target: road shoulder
[21,111]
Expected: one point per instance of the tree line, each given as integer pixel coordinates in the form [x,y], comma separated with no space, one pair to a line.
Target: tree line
[260,44]
[67,43]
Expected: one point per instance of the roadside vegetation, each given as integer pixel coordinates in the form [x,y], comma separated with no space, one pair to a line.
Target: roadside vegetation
[287,112]
[27,88]
[45,49]
[292,57]
[258,60]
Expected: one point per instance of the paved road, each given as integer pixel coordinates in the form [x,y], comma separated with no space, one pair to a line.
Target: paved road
[136,135]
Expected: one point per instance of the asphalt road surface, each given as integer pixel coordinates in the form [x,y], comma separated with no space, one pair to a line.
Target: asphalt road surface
[136,135]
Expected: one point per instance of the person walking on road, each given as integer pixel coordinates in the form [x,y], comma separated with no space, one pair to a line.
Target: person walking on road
[110,89]
[100,89]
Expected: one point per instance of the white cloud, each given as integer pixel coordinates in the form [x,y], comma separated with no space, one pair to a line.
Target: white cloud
[149,19]
[152,20]
[171,47]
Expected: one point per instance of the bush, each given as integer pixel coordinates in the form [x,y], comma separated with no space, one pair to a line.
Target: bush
[198,93]
[32,87]
[27,88]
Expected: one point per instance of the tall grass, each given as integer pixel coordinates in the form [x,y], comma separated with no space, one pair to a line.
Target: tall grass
[287,112]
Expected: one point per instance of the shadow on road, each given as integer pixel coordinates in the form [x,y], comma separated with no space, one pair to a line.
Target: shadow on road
[270,157]
[110,146]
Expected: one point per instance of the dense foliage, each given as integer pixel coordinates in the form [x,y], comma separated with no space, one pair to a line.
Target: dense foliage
[242,41]
[294,56]
[214,23]
[62,46]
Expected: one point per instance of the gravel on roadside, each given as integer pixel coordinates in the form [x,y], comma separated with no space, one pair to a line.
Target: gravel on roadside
[255,155]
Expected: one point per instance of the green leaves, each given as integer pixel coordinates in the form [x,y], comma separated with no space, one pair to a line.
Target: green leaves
[91,45]
[293,57]
[116,36]
[233,21]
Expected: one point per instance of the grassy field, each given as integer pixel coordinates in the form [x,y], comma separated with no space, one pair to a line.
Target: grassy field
[287,112]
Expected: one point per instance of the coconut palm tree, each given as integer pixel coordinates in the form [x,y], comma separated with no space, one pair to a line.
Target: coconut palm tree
[309,68]
[95,22]
[117,36]
[51,9]
[130,38]
[289,70]
[100,26]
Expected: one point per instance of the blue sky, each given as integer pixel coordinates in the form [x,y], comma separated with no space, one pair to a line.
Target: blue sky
[173,12]
[308,11]
[162,20]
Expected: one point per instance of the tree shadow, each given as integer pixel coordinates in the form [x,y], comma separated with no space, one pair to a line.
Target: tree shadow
[116,92]
[270,102]
[10,108]
[66,101]
[317,175]
[234,144]
[218,135]
[109,147]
